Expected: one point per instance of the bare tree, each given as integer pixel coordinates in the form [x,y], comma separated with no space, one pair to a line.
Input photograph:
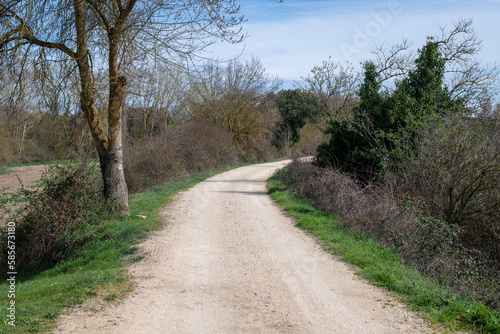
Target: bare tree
[156,98]
[393,61]
[466,77]
[230,98]
[335,85]
[469,80]
[109,36]
[18,98]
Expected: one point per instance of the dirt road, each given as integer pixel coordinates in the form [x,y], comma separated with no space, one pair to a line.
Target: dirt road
[229,261]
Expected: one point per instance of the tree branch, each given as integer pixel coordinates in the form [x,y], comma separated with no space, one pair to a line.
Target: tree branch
[58,46]
[125,13]
[99,12]
[27,35]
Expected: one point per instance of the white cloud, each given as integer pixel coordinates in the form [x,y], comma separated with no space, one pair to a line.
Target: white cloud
[290,38]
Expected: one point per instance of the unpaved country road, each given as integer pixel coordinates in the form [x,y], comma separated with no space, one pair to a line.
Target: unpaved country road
[230,261]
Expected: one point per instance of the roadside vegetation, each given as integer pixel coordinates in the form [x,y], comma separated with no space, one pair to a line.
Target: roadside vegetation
[92,256]
[383,266]
[415,165]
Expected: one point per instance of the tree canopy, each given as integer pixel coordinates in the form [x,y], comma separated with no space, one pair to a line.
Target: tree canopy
[296,108]
[230,97]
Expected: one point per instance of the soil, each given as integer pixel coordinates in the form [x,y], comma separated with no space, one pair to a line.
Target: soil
[231,261]
[29,175]
[12,182]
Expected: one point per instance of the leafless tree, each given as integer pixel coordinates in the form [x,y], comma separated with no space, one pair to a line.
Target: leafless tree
[230,97]
[466,77]
[156,97]
[108,37]
[335,84]
[469,80]
[393,61]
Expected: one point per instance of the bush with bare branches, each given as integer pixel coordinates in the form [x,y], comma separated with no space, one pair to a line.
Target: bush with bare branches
[206,146]
[456,171]
[192,148]
[152,161]
[389,214]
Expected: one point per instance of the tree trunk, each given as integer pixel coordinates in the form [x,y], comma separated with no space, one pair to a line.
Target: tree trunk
[22,140]
[108,145]
[115,185]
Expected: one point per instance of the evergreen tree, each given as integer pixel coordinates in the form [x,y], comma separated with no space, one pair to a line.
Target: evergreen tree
[423,93]
[353,147]
[296,108]
[383,127]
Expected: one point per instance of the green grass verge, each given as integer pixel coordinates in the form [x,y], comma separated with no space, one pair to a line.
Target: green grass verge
[98,268]
[385,268]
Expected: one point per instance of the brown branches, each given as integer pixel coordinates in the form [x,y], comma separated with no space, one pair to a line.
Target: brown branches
[468,81]
[393,61]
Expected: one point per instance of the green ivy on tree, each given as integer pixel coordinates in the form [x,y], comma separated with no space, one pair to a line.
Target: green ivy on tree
[382,127]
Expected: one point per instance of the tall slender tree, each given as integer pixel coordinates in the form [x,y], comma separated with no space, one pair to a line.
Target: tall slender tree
[108,36]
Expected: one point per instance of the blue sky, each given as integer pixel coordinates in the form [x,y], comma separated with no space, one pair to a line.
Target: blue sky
[293,36]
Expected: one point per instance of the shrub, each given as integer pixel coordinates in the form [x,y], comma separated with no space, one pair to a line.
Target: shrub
[58,216]
[195,147]
[456,171]
[152,161]
[351,150]
[206,146]
[404,223]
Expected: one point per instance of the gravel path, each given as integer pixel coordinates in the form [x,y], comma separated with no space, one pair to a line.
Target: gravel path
[230,261]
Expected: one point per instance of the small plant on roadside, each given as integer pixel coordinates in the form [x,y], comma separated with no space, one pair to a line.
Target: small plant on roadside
[110,297]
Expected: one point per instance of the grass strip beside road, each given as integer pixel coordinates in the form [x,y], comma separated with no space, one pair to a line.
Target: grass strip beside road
[98,268]
[385,268]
